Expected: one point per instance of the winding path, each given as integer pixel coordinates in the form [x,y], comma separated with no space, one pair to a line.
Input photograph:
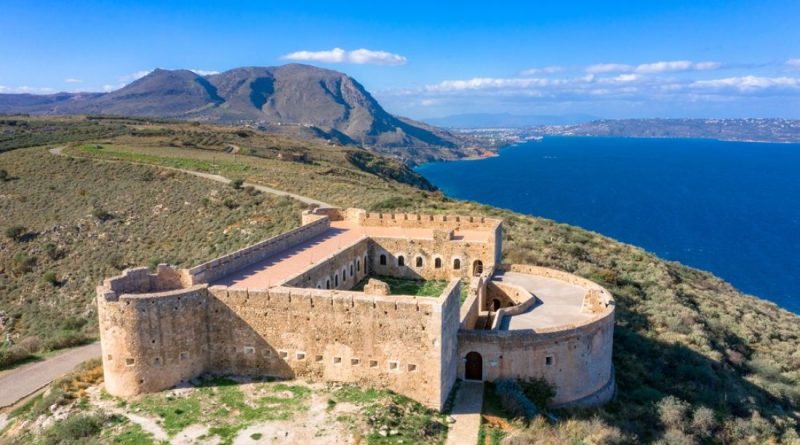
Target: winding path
[16,384]
[59,151]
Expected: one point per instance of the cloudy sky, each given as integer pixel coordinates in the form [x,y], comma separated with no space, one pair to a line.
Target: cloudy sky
[425,59]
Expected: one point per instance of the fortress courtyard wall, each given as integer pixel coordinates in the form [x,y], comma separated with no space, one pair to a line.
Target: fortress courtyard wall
[396,342]
[447,251]
[341,270]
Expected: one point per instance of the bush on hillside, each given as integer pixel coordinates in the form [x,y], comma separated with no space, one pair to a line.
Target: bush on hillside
[15,232]
[237,183]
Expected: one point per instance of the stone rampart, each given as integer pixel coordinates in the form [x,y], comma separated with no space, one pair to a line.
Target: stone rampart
[576,361]
[225,265]
[152,341]
[518,300]
[397,342]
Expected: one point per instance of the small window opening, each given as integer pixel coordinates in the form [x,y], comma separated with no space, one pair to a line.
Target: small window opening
[419,261]
[383,260]
[456,264]
[401,261]
[437,263]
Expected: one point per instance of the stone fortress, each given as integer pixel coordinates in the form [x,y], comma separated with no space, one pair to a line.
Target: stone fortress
[283,308]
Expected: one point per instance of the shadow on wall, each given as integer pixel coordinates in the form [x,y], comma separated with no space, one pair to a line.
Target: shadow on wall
[235,348]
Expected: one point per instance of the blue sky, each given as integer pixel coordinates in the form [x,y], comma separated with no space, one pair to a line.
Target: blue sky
[425,59]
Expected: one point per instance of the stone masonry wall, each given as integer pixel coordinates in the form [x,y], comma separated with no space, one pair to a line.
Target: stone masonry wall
[397,342]
[342,270]
[429,250]
[227,264]
[152,341]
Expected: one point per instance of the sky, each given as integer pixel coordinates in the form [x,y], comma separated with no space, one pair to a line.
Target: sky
[606,59]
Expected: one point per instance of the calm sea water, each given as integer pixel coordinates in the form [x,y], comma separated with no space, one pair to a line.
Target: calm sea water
[732,208]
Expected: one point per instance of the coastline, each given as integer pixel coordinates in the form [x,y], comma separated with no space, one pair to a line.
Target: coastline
[778,296]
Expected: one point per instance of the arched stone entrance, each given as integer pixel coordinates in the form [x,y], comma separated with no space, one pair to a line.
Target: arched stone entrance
[473,368]
[477,268]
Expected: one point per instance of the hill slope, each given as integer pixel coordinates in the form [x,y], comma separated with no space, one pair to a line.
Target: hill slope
[696,361]
[293,95]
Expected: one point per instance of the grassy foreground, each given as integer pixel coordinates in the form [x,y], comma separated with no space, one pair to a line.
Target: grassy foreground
[696,361]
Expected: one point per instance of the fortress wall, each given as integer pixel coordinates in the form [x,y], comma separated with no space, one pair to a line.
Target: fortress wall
[416,221]
[507,295]
[153,341]
[450,319]
[141,280]
[429,250]
[227,264]
[580,363]
[347,267]
[394,342]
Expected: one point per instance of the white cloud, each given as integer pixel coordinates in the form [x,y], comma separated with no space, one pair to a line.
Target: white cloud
[793,63]
[653,68]
[675,66]
[109,88]
[72,80]
[203,72]
[626,78]
[608,68]
[748,83]
[360,56]
[134,76]
[365,56]
[484,83]
[543,70]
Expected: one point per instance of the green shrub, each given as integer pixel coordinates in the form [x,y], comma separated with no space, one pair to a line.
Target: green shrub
[3,175]
[22,264]
[230,203]
[75,430]
[538,391]
[54,252]
[51,277]
[514,401]
[237,183]
[15,232]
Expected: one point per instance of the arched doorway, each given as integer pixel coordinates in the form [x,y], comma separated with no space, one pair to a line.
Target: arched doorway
[477,268]
[473,368]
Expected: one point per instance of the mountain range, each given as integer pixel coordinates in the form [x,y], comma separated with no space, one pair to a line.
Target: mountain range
[293,99]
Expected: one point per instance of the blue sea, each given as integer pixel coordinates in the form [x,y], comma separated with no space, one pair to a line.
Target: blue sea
[732,208]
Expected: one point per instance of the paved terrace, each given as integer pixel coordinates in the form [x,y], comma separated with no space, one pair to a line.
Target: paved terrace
[341,235]
[559,303]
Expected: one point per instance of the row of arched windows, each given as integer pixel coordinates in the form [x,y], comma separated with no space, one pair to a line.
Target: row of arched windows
[419,262]
[333,282]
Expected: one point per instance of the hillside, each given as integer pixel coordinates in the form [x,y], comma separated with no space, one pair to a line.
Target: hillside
[696,361]
[293,98]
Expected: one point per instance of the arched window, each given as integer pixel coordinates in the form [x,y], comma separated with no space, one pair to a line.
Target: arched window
[419,261]
[344,274]
[351,269]
[457,264]
[319,286]
[328,283]
[383,260]
[358,265]
[437,263]
[401,261]
[336,280]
